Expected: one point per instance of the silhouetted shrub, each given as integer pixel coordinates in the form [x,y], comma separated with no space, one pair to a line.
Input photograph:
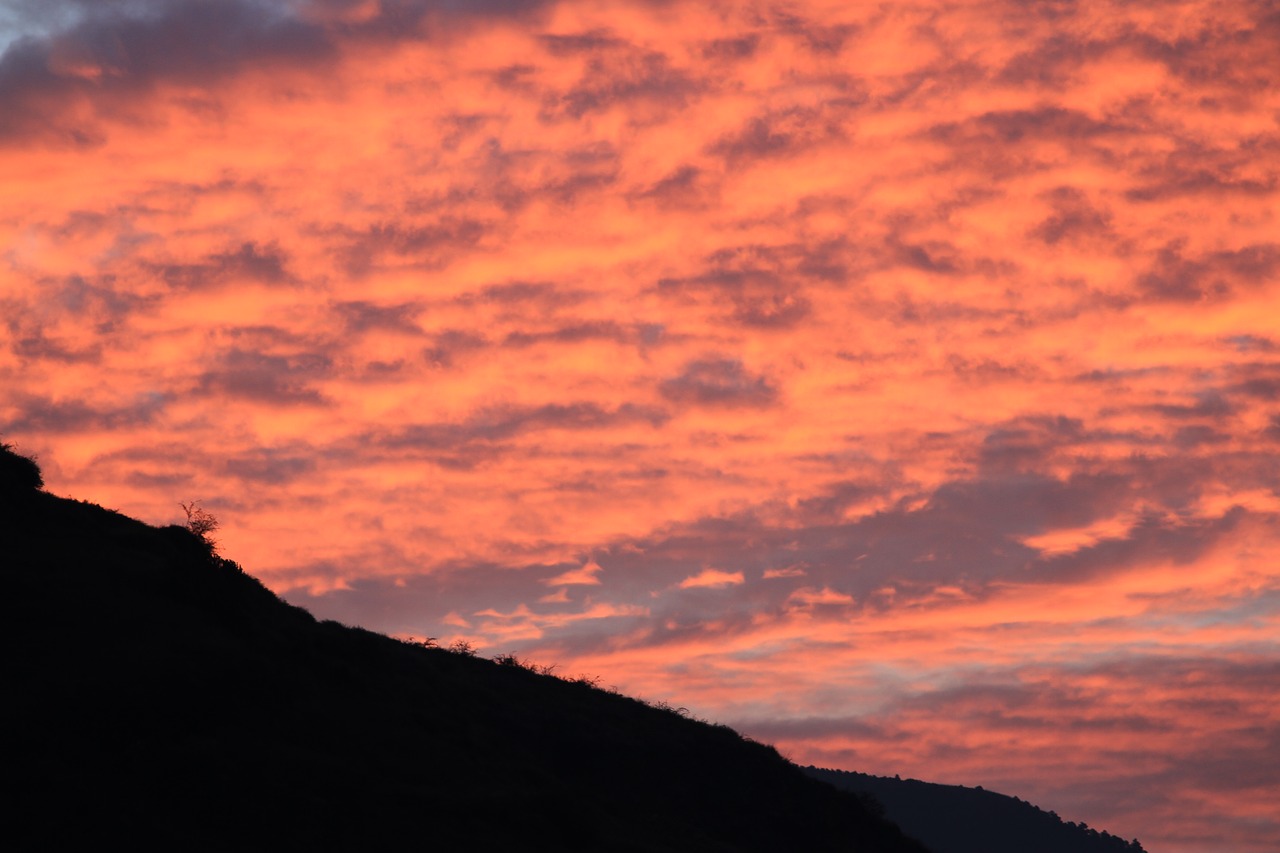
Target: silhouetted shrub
[462,647]
[201,523]
[18,472]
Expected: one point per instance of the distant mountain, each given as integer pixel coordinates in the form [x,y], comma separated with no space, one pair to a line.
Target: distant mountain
[956,819]
[157,697]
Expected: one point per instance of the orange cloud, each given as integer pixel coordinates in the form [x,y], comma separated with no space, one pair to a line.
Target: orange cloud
[586,575]
[711,579]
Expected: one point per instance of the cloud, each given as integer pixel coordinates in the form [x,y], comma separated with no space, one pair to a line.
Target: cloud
[1074,219]
[361,316]
[616,74]
[719,382]
[785,133]
[585,575]
[249,262]
[760,297]
[38,414]
[271,466]
[796,571]
[505,422]
[1213,275]
[279,380]
[112,53]
[712,579]
[387,244]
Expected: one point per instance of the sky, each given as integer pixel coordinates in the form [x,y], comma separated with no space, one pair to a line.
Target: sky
[896,383]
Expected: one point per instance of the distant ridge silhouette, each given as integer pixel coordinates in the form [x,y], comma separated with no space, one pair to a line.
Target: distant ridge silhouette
[157,697]
[956,819]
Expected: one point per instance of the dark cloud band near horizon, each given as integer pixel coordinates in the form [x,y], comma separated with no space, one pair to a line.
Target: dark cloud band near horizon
[899,384]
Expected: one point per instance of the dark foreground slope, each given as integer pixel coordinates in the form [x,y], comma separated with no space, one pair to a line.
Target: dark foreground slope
[156,695]
[956,819]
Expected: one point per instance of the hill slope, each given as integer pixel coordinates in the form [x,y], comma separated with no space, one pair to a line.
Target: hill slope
[159,696]
[956,819]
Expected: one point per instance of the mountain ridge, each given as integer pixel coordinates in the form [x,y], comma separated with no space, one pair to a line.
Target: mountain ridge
[165,698]
[960,819]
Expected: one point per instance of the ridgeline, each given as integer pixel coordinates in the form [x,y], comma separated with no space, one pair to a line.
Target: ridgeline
[957,819]
[160,697]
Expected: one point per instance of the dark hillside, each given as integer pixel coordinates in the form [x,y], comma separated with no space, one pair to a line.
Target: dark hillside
[956,819]
[157,696]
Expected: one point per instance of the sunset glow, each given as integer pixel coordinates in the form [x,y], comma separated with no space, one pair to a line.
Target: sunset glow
[896,383]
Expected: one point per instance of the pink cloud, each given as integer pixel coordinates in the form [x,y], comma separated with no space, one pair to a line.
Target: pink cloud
[712,579]
[583,576]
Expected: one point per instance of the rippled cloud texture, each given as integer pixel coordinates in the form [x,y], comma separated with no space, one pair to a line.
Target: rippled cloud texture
[895,382]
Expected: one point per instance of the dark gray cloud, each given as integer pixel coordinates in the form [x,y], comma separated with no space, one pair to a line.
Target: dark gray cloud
[284,380]
[758,286]
[359,317]
[272,467]
[1153,540]
[485,433]
[634,334]
[719,382]
[614,72]
[737,48]
[451,344]
[541,296]
[428,245]
[38,415]
[1208,405]
[248,261]
[1251,343]
[102,303]
[1272,430]
[1258,381]
[38,345]
[116,49]
[687,186]
[1074,219]
[787,132]
[101,54]
[1003,127]
[573,44]
[1176,277]
[816,37]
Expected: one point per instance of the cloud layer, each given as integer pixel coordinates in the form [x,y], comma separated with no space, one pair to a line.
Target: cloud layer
[896,383]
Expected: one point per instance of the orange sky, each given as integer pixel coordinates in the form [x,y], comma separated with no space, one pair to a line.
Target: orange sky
[897,383]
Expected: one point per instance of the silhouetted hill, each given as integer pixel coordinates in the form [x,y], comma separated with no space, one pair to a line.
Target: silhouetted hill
[158,697]
[956,819]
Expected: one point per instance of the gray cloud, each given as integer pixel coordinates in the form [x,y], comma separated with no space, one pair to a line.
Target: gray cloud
[425,245]
[273,467]
[634,334]
[247,261]
[1175,277]
[117,49]
[45,415]
[359,317]
[787,132]
[719,382]
[274,379]
[614,72]
[485,433]
[1074,218]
